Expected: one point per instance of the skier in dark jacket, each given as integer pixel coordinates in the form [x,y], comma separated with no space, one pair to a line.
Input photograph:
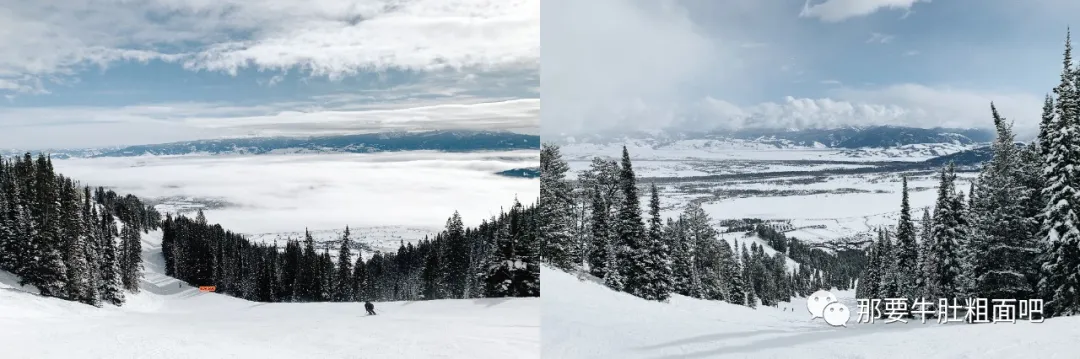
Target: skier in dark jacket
[370,308]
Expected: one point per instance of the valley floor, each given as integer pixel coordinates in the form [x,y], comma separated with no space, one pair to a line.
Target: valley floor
[583,319]
[169,319]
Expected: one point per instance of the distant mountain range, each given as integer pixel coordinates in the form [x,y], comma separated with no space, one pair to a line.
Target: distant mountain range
[446,141]
[839,138]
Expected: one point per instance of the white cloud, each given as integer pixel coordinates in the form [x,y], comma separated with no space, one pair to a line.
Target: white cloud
[81,126]
[880,38]
[907,104]
[839,10]
[606,60]
[331,38]
[271,193]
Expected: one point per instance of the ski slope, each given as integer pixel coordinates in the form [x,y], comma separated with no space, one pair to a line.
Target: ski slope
[583,319]
[170,319]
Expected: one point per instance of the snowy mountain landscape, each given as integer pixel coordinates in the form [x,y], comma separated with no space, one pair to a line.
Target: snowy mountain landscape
[722,183]
[295,179]
[771,201]
[172,319]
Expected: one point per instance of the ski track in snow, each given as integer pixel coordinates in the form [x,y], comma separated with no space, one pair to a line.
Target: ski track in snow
[172,319]
[583,319]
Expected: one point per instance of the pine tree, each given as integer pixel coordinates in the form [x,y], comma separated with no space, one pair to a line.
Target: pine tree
[557,242]
[869,285]
[1060,282]
[601,235]
[111,288]
[656,255]
[889,288]
[47,272]
[944,278]
[359,275]
[1001,260]
[79,284]
[682,260]
[926,262]
[751,293]
[132,257]
[701,237]
[630,231]
[906,252]
[344,282]
[91,249]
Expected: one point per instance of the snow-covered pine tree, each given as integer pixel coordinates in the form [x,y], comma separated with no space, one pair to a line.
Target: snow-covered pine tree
[359,276]
[79,283]
[759,275]
[737,287]
[326,275]
[700,234]
[601,184]
[8,237]
[112,286]
[1032,183]
[1003,258]
[869,283]
[601,235]
[630,231]
[906,252]
[91,248]
[132,254]
[343,281]
[926,242]
[47,270]
[965,229]
[556,207]
[1046,124]
[682,260]
[656,256]
[944,279]
[1060,282]
[748,278]
[889,278]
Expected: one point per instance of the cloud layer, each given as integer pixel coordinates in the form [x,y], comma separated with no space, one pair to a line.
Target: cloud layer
[709,64]
[269,193]
[840,10]
[45,40]
[87,126]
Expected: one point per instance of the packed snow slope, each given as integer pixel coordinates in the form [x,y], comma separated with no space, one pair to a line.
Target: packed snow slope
[583,319]
[171,319]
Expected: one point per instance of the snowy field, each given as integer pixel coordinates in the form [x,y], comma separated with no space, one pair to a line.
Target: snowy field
[687,168]
[585,320]
[261,194]
[747,150]
[383,239]
[169,319]
[845,205]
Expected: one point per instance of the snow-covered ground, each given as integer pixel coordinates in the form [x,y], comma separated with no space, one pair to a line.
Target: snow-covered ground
[287,193]
[585,320]
[383,238]
[750,150]
[169,319]
[845,205]
[687,168]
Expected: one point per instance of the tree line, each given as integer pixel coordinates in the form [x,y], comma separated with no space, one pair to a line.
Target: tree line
[85,245]
[498,258]
[66,240]
[597,226]
[1014,236]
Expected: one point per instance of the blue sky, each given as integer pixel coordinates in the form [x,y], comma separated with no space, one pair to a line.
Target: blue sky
[84,73]
[794,63]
